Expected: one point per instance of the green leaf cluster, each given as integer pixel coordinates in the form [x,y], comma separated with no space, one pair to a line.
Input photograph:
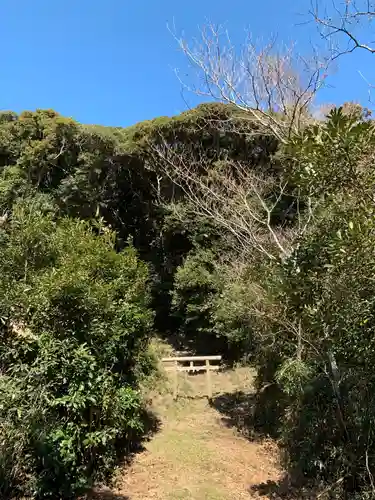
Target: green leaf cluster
[74,322]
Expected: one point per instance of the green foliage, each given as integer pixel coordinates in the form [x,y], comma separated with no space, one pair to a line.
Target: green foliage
[91,170]
[75,322]
[214,303]
[321,352]
[330,157]
[236,312]
[74,301]
[195,286]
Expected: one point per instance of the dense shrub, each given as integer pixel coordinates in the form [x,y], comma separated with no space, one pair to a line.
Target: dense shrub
[321,352]
[113,172]
[195,287]
[74,323]
[213,302]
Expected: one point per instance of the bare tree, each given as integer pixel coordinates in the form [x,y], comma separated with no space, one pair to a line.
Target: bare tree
[237,197]
[271,83]
[272,88]
[341,23]
[347,26]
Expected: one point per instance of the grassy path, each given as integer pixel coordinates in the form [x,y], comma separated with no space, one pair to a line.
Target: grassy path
[196,455]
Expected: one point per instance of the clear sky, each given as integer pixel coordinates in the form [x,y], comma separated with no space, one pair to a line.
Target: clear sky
[111,61]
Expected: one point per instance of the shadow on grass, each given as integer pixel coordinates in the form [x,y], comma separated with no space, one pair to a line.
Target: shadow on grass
[284,489]
[257,416]
[127,450]
[107,495]
[254,415]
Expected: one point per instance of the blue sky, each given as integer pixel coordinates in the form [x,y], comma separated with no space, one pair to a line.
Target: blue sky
[111,61]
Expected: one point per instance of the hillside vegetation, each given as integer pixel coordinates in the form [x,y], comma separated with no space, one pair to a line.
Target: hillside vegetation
[205,229]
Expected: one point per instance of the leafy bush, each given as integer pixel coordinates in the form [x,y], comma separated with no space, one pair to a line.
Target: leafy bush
[195,286]
[74,323]
[321,351]
[214,304]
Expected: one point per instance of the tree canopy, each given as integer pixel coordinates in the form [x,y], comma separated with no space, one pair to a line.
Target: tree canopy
[204,228]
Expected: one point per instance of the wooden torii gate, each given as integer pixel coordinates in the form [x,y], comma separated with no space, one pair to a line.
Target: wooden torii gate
[173,364]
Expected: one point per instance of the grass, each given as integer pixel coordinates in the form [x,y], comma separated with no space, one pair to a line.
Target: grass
[196,455]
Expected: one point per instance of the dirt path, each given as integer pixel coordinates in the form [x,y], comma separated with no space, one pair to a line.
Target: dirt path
[195,455]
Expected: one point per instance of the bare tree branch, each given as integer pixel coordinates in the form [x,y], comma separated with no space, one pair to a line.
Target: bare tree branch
[236,197]
[271,84]
[343,22]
